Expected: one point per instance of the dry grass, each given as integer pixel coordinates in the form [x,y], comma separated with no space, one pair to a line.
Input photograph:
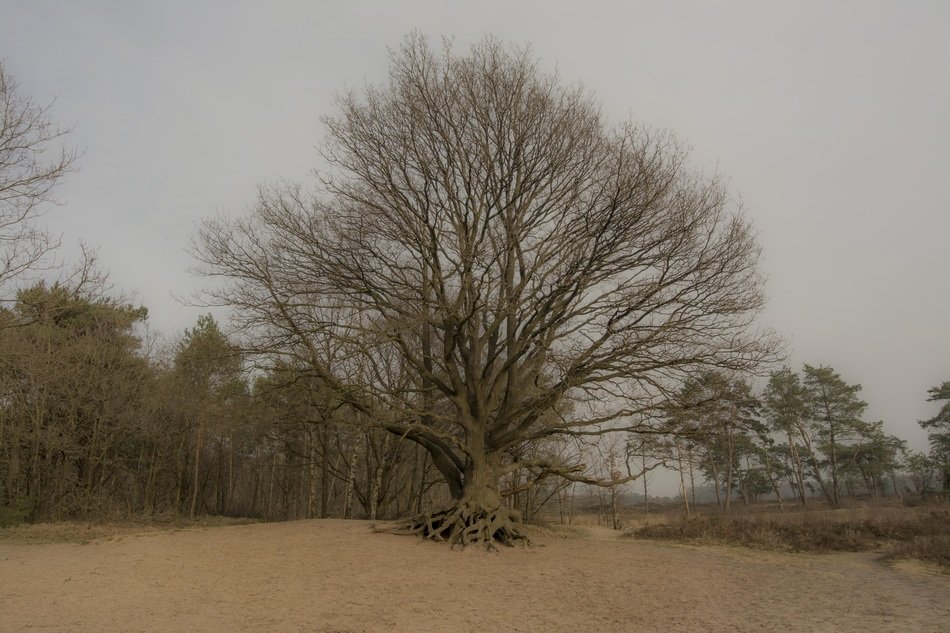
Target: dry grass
[933,549]
[89,531]
[921,532]
[555,530]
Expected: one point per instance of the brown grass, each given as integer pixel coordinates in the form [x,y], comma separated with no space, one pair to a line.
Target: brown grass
[908,532]
[89,531]
[933,549]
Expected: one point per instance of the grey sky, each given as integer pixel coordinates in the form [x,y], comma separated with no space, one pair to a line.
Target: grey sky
[831,120]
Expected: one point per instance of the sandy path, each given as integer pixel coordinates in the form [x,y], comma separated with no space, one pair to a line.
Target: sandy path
[335,576]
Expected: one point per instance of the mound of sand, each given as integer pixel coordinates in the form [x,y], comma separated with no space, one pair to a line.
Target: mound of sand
[338,576]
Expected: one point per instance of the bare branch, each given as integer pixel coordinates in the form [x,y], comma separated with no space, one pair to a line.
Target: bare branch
[30,167]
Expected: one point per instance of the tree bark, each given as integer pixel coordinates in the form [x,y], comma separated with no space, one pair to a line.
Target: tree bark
[194,490]
[477,516]
[799,473]
[311,453]
[351,476]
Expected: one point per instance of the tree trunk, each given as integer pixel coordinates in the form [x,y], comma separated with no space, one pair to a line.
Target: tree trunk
[269,502]
[692,477]
[799,473]
[194,490]
[424,468]
[773,482]
[311,483]
[324,472]
[897,491]
[816,472]
[148,501]
[646,499]
[227,507]
[376,484]
[729,473]
[570,507]
[834,466]
[717,489]
[683,494]
[478,514]
[351,476]
[813,462]
[615,508]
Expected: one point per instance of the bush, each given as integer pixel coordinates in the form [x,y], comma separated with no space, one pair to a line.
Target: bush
[16,512]
[919,533]
[934,549]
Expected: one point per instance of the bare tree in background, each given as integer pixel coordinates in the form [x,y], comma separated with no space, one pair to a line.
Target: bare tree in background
[31,164]
[487,264]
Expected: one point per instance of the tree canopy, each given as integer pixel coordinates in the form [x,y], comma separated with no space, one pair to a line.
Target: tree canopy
[487,263]
[938,431]
[30,167]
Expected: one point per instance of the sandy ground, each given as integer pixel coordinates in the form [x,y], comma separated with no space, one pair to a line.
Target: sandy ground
[335,576]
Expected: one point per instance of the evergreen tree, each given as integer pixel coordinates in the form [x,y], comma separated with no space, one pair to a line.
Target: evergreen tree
[938,428]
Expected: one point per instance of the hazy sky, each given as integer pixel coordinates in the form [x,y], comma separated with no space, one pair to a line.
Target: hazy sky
[830,119]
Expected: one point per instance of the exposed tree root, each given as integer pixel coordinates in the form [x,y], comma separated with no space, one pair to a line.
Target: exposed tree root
[464,525]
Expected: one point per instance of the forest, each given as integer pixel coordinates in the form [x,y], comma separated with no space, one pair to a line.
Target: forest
[499,303]
[99,423]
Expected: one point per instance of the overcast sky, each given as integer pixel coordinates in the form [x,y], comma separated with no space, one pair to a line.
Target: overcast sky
[830,119]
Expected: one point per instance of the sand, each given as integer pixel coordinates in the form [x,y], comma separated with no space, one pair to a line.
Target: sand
[336,576]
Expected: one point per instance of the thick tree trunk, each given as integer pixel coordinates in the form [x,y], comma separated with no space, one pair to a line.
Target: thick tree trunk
[420,495]
[478,514]
[816,473]
[615,521]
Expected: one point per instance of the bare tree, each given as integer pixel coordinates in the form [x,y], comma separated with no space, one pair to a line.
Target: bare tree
[487,264]
[30,166]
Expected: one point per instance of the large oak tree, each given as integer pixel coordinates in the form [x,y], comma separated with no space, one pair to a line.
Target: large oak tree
[487,263]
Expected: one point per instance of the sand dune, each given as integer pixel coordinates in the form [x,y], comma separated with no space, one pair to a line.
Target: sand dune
[336,576]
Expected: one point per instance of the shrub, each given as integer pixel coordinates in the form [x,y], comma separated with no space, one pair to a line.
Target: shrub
[918,533]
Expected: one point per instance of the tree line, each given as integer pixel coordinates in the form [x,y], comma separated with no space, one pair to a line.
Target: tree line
[803,436]
[98,420]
